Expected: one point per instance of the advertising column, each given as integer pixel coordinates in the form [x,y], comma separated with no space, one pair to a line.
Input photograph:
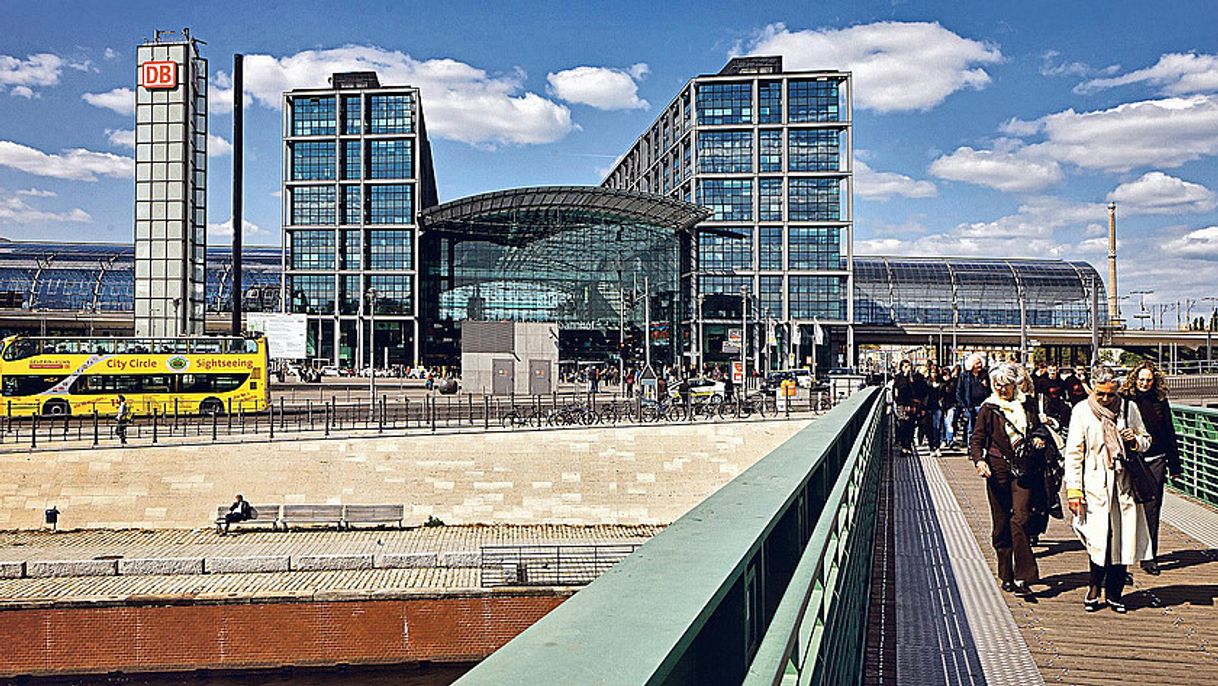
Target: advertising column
[170,186]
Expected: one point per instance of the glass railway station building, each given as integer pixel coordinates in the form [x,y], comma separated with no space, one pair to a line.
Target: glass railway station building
[738,197]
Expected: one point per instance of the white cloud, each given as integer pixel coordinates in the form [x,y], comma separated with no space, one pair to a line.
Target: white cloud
[22,92]
[218,146]
[881,185]
[1158,193]
[77,164]
[897,66]
[15,210]
[109,54]
[1050,65]
[461,102]
[1174,74]
[1163,133]
[1201,244]
[120,100]
[1007,167]
[604,88]
[37,193]
[1160,133]
[40,70]
[248,228]
[123,138]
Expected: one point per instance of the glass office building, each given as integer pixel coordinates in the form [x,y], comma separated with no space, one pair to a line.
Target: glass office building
[584,258]
[357,170]
[769,153]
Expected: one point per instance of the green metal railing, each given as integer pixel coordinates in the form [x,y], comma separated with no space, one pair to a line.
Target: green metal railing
[766,581]
[1197,431]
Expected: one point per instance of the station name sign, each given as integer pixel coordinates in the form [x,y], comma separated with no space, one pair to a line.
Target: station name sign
[161,75]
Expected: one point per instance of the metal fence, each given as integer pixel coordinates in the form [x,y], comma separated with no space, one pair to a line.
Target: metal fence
[430,412]
[767,580]
[1197,429]
[549,565]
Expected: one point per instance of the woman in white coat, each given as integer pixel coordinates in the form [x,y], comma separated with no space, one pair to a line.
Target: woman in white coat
[1108,520]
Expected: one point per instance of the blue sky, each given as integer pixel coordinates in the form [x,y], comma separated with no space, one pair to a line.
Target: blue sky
[996,129]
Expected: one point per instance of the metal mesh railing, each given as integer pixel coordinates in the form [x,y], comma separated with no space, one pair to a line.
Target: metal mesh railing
[549,565]
[390,414]
[1197,430]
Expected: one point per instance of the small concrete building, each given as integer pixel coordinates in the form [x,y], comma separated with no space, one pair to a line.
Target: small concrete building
[502,358]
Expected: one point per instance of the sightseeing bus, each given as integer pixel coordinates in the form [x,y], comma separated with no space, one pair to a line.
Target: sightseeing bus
[77,376]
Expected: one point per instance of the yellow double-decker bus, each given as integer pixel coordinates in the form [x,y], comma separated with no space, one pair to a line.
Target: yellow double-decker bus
[75,376]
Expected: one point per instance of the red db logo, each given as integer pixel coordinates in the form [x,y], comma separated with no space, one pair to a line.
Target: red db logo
[159,75]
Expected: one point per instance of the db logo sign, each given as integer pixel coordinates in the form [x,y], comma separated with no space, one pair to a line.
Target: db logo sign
[159,75]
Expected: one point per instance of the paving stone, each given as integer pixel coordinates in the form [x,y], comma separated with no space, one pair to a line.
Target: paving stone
[148,566]
[238,565]
[45,568]
[460,558]
[406,560]
[313,563]
[12,570]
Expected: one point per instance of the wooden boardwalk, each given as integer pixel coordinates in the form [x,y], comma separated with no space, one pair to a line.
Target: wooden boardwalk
[1169,636]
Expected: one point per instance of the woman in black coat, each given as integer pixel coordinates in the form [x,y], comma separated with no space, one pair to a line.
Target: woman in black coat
[1146,387]
[1005,421]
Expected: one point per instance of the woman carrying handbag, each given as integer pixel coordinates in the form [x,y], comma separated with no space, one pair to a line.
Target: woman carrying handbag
[1107,517]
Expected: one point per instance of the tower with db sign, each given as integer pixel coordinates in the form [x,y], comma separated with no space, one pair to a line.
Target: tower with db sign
[170,185]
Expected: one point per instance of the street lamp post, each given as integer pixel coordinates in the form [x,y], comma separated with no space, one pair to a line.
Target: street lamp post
[371,294]
[1141,315]
[701,332]
[744,326]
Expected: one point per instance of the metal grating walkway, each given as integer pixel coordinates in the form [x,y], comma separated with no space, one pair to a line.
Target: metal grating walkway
[952,624]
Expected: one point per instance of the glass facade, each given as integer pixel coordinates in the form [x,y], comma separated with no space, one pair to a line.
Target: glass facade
[359,170]
[725,152]
[731,200]
[725,103]
[784,178]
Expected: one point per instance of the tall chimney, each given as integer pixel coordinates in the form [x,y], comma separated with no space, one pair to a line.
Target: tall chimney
[1114,313]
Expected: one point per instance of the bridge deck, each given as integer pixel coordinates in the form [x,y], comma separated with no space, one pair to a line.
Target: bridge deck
[939,617]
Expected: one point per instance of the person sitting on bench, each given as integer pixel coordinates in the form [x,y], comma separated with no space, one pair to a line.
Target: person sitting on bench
[239,512]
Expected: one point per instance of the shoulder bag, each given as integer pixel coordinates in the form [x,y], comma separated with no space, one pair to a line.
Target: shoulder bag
[1144,486]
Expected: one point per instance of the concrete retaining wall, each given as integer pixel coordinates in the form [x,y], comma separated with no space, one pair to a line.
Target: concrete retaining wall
[644,475]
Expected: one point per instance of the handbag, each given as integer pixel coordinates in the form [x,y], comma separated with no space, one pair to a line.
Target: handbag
[1022,463]
[1144,485]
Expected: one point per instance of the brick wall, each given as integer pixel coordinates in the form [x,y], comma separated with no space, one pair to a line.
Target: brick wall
[145,638]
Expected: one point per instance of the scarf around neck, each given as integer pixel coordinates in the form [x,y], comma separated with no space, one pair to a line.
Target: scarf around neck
[1017,417]
[1113,446]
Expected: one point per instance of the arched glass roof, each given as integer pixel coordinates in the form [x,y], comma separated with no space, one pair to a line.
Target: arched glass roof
[522,215]
[973,291]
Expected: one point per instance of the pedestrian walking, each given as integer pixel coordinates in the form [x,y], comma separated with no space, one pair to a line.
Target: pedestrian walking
[932,413]
[1146,387]
[1004,451]
[594,376]
[947,407]
[122,420]
[906,408]
[972,390]
[1107,517]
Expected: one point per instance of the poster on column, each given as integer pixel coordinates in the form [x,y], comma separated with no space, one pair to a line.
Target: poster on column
[285,333]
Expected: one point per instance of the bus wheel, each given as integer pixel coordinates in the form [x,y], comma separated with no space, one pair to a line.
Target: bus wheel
[211,406]
[57,408]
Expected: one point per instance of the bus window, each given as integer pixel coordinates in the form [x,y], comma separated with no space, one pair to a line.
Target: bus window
[21,349]
[28,384]
[251,345]
[102,347]
[67,347]
[210,383]
[155,383]
[96,384]
[205,345]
